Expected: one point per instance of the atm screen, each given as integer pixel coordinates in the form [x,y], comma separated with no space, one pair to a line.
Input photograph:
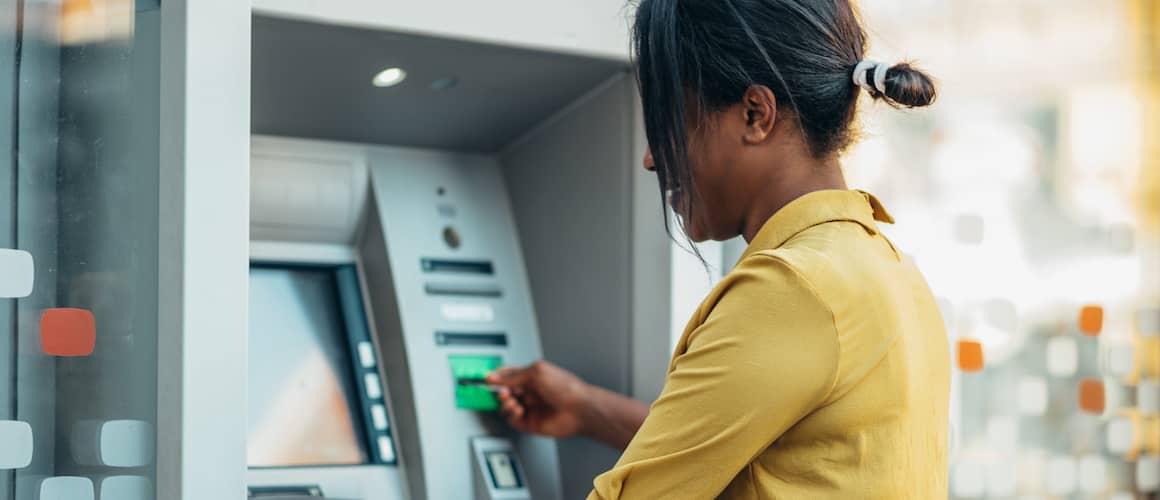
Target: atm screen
[303,404]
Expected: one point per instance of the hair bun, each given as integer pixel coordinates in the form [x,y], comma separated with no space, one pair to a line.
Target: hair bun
[908,86]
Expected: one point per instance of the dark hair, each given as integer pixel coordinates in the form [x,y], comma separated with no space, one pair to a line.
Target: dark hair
[804,51]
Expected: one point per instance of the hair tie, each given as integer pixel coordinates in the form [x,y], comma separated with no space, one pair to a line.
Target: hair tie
[880,70]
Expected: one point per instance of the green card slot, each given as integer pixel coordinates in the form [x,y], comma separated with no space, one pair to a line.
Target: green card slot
[470,391]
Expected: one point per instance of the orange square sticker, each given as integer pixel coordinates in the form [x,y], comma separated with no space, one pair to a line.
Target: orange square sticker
[970,356]
[1091,396]
[68,332]
[1091,320]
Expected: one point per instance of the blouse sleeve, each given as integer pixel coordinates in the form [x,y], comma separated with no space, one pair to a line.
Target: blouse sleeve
[765,357]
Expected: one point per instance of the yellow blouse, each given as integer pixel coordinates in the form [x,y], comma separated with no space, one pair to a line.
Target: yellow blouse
[818,368]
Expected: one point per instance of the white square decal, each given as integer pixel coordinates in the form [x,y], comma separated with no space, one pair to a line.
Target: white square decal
[16,453]
[66,488]
[17,274]
[126,488]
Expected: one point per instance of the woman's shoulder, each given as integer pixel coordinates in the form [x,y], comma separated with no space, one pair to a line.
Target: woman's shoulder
[839,263]
[773,283]
[785,269]
[764,309]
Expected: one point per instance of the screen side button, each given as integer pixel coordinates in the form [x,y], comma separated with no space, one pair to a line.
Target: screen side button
[374,388]
[366,354]
[386,449]
[379,417]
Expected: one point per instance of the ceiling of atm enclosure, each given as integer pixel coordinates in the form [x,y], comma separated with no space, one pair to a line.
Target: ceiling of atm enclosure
[313,80]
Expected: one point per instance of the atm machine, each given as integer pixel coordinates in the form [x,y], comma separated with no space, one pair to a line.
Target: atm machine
[408,240]
[367,362]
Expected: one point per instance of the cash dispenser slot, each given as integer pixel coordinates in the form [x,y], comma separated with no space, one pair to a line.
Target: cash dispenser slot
[304,492]
[479,290]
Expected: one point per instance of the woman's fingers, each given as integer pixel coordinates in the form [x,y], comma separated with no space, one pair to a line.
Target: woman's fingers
[510,407]
[509,376]
[521,404]
[513,410]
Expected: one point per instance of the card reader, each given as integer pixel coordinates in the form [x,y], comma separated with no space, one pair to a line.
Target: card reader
[471,389]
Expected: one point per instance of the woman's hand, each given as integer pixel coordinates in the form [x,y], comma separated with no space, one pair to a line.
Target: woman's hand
[543,398]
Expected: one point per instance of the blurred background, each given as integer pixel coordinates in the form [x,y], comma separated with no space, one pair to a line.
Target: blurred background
[1029,198]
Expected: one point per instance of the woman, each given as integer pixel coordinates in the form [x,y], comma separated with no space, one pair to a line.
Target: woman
[818,368]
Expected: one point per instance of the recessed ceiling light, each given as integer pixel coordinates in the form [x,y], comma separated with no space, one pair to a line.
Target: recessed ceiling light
[389,77]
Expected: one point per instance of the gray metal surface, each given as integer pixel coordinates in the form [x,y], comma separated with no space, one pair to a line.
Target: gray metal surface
[312,80]
[7,218]
[406,224]
[204,227]
[571,189]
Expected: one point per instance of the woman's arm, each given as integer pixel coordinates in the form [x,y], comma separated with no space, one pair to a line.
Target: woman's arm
[611,418]
[543,398]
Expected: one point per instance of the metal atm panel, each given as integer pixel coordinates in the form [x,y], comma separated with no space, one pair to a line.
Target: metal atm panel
[450,298]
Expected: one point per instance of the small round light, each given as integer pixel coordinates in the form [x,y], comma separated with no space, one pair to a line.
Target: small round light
[389,77]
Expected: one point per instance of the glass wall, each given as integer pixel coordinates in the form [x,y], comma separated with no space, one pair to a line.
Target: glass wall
[79,142]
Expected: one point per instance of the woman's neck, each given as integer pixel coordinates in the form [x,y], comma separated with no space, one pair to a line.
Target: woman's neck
[795,181]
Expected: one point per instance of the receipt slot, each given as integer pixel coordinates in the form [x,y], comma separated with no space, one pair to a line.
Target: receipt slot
[496,471]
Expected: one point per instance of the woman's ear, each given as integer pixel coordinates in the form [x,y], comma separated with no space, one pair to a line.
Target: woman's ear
[760,108]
